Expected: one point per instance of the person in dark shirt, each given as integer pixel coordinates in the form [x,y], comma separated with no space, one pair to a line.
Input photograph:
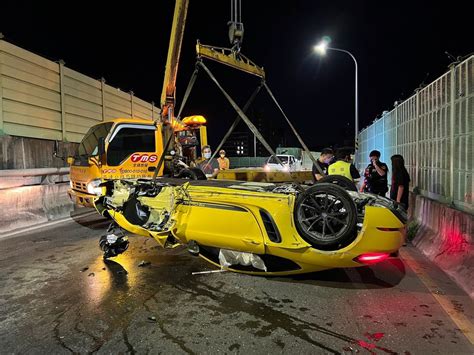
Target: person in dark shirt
[209,166]
[323,162]
[375,175]
[400,181]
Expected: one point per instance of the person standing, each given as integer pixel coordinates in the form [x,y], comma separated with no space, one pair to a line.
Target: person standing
[343,166]
[375,175]
[399,190]
[223,161]
[323,162]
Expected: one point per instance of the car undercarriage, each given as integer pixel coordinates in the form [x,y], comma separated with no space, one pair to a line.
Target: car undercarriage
[257,228]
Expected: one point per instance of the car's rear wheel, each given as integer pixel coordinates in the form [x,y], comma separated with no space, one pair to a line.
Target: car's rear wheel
[340,181]
[326,216]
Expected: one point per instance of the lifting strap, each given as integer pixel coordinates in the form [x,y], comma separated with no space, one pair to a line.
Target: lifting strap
[242,115]
[237,119]
[162,158]
[313,159]
[187,92]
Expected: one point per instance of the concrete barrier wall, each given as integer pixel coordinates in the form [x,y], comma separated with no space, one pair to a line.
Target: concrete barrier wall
[26,206]
[31,153]
[446,236]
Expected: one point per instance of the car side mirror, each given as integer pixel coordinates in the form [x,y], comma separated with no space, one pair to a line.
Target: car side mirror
[101,146]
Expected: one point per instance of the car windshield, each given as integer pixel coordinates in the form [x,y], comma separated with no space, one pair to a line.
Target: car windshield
[283,159]
[90,143]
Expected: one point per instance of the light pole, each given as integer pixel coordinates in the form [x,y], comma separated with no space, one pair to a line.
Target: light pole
[321,49]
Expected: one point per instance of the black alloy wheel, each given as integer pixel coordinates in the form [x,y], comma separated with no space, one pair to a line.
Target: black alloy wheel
[326,216]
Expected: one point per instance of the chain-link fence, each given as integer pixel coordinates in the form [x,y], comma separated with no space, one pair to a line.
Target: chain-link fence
[433,130]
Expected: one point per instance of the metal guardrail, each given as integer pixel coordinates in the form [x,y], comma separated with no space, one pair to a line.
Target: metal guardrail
[27,177]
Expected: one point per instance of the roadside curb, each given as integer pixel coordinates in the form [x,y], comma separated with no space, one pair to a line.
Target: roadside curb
[19,231]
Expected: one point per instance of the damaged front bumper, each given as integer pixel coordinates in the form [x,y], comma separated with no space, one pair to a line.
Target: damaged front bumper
[82,198]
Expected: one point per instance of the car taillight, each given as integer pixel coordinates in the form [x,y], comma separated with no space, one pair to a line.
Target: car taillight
[371,258]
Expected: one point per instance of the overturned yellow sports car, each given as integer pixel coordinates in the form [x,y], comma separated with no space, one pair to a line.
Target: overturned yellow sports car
[257,228]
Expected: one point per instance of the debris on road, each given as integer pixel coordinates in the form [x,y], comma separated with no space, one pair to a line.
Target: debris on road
[91,274]
[144,263]
[84,269]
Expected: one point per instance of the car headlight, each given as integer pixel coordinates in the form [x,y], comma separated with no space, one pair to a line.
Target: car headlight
[71,184]
[93,187]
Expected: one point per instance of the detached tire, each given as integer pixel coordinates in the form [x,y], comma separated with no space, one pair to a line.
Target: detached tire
[326,216]
[339,180]
[192,174]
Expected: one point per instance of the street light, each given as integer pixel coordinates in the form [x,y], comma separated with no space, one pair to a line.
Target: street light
[321,49]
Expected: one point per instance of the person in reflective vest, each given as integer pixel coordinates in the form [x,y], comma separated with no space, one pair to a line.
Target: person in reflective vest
[343,166]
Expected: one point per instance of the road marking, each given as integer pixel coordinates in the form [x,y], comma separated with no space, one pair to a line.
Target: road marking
[463,323]
[46,225]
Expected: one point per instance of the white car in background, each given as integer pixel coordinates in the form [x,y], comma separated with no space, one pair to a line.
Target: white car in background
[290,163]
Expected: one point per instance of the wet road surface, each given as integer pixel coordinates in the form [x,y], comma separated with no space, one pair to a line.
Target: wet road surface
[58,296]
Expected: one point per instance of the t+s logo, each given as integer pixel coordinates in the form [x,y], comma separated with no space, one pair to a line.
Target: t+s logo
[143,158]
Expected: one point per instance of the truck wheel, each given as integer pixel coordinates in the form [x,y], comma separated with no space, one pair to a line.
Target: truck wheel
[326,216]
[192,174]
[339,180]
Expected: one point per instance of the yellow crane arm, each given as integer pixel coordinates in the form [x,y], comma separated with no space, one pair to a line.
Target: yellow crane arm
[168,94]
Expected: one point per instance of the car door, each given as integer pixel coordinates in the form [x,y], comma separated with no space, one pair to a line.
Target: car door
[220,225]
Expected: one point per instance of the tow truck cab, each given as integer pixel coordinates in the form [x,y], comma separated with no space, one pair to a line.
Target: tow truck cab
[124,149]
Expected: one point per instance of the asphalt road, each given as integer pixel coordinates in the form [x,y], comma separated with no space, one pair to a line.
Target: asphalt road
[58,296]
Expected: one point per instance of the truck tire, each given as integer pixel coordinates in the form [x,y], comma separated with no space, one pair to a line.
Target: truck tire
[192,174]
[339,180]
[326,216]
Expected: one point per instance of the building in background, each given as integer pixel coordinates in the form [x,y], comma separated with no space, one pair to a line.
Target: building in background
[238,144]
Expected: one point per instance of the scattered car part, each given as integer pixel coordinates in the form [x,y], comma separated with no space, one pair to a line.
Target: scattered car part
[113,243]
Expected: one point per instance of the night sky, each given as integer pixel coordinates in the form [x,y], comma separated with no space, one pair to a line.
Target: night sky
[398,45]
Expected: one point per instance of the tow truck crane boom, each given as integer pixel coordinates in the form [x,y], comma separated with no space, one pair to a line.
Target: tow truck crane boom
[168,95]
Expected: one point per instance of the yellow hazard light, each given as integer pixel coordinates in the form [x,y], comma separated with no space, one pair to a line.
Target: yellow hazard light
[177,126]
[194,120]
